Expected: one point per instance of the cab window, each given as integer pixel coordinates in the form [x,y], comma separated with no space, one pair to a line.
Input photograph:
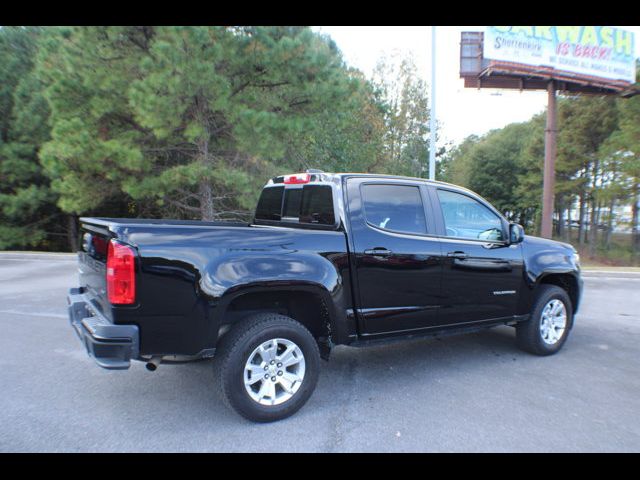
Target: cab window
[396,208]
[465,217]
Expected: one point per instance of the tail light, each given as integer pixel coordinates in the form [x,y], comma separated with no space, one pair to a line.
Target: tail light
[297,178]
[121,274]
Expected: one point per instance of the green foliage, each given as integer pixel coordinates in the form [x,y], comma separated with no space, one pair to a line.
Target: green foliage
[95,142]
[455,166]
[404,103]
[26,202]
[17,47]
[626,140]
[528,192]
[229,96]
[496,164]
[193,119]
[504,166]
[345,139]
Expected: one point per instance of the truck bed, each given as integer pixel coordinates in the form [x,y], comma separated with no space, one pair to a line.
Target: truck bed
[185,270]
[108,221]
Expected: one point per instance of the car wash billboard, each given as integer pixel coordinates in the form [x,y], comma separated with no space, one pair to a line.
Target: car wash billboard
[604,52]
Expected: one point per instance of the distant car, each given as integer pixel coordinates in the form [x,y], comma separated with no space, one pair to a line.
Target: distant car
[576,224]
[329,259]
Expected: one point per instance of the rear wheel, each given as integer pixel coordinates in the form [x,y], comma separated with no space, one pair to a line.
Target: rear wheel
[551,320]
[268,367]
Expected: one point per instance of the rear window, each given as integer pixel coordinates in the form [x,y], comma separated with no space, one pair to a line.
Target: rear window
[292,200]
[270,204]
[317,205]
[311,204]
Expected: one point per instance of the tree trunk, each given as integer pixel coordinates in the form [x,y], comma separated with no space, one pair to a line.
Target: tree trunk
[593,228]
[581,223]
[593,224]
[560,209]
[607,240]
[598,215]
[207,211]
[72,232]
[635,233]
[205,190]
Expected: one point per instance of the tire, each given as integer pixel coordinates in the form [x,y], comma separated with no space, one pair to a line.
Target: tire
[533,335]
[239,358]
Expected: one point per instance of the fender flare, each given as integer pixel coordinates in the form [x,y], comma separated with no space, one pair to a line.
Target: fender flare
[336,321]
[575,278]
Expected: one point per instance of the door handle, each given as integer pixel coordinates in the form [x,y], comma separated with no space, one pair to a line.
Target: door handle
[457,254]
[378,251]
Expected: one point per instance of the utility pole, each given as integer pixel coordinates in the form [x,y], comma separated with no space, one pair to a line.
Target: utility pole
[432,111]
[548,186]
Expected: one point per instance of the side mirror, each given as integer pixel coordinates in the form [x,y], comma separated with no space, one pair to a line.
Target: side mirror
[516,233]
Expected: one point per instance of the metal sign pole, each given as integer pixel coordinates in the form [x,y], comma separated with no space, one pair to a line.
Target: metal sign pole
[432,111]
[546,225]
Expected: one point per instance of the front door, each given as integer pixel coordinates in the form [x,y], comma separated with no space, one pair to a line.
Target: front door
[482,273]
[397,258]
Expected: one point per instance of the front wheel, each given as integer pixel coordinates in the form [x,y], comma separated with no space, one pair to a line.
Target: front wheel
[551,320]
[268,367]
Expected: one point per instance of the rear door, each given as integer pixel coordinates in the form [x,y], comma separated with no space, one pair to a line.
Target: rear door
[397,258]
[482,273]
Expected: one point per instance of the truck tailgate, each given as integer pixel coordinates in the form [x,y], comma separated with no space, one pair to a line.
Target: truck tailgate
[92,265]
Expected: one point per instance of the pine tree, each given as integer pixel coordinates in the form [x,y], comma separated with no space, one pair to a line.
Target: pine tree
[191,118]
[96,145]
[27,210]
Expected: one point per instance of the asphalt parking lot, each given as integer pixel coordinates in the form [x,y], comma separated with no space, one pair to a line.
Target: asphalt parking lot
[474,392]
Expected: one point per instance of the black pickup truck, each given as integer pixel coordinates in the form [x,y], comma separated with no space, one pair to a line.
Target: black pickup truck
[329,259]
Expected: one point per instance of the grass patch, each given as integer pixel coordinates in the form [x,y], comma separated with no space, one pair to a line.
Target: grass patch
[618,254]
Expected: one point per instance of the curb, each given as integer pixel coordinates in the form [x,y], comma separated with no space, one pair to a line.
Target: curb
[38,256]
[610,274]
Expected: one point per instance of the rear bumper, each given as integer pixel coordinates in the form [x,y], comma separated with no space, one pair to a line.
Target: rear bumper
[111,346]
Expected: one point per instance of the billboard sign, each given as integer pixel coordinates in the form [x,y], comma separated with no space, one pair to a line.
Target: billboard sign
[603,52]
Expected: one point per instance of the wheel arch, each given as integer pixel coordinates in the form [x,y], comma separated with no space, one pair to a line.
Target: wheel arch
[567,281]
[308,303]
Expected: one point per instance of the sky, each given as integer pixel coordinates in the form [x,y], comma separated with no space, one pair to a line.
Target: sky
[460,111]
